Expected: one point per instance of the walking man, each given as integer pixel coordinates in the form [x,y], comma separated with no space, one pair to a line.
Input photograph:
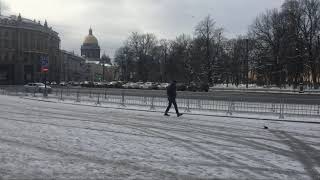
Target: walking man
[172,94]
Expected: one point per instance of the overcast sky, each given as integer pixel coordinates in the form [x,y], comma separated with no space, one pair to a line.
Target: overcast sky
[113,20]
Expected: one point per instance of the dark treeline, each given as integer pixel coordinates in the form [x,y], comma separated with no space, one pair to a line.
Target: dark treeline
[282,48]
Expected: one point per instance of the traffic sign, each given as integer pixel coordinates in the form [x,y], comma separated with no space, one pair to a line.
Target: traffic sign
[44,61]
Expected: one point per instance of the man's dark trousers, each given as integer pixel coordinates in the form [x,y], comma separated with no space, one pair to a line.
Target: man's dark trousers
[172,101]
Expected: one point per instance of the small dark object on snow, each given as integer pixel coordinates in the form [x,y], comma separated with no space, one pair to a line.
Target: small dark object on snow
[166,114]
[179,115]
[265,127]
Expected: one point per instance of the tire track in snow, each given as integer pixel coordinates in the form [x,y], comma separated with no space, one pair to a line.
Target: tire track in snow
[96,160]
[305,154]
[207,153]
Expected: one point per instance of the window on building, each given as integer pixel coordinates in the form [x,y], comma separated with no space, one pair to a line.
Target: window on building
[25,58]
[6,43]
[38,43]
[25,40]
[6,57]
[32,40]
[45,45]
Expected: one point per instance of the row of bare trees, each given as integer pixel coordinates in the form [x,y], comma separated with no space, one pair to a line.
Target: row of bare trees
[287,44]
[282,48]
[186,59]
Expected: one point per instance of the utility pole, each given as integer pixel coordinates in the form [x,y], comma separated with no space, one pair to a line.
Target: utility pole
[247,63]
[103,70]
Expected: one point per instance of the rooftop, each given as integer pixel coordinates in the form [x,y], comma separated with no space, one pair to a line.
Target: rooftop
[25,23]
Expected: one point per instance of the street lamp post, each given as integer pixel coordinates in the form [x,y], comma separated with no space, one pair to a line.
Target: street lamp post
[247,63]
[103,70]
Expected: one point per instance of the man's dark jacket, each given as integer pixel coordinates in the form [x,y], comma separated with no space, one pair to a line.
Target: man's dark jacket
[172,91]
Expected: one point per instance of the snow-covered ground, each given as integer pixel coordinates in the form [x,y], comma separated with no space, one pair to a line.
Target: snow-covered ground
[46,140]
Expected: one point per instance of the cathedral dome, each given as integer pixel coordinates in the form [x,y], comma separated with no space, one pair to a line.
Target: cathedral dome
[90,39]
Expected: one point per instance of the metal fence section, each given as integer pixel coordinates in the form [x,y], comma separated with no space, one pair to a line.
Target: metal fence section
[281,107]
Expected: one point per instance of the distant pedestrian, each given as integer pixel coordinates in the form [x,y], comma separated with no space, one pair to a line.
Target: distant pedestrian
[172,94]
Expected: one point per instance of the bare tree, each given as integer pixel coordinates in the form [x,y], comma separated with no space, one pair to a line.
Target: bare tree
[269,32]
[179,65]
[310,28]
[209,38]
[164,51]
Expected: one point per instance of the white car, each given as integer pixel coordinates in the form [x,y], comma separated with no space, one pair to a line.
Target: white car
[53,83]
[163,86]
[147,85]
[63,83]
[36,87]
[140,85]
[135,86]
[127,85]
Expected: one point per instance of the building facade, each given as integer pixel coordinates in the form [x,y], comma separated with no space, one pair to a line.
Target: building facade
[73,67]
[23,43]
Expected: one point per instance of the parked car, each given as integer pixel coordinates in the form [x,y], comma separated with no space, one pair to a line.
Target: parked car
[198,87]
[87,84]
[163,86]
[75,83]
[140,85]
[119,84]
[37,87]
[134,85]
[155,86]
[130,85]
[147,85]
[53,83]
[192,87]
[98,84]
[204,87]
[111,84]
[62,83]
[181,87]
[126,86]
[115,84]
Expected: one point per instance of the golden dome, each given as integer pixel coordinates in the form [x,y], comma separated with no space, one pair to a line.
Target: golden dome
[90,39]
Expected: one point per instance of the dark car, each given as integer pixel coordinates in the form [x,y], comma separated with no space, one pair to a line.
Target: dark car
[181,87]
[202,87]
[88,84]
[192,87]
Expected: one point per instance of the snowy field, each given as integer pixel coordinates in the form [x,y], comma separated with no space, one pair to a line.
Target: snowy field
[44,140]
